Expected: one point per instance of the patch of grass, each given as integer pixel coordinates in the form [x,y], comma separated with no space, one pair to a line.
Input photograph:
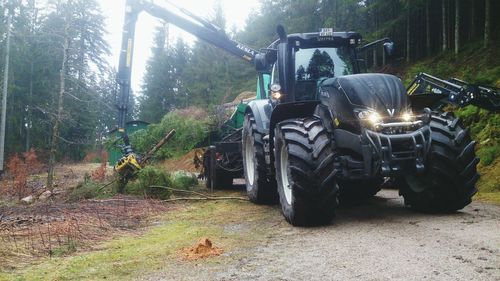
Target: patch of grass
[489,154]
[183,180]
[147,177]
[64,250]
[89,189]
[490,197]
[132,256]
[152,176]
[489,183]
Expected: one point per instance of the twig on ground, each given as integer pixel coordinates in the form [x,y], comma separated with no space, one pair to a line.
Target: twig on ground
[114,200]
[205,198]
[106,185]
[181,190]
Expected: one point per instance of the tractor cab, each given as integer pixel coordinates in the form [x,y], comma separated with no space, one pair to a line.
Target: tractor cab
[304,60]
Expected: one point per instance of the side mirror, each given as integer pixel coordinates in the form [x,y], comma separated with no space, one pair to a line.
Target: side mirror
[389,49]
[261,63]
[265,59]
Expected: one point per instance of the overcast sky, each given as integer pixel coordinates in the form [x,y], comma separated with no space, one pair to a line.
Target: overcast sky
[235,12]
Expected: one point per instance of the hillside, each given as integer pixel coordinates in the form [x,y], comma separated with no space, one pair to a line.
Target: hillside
[480,66]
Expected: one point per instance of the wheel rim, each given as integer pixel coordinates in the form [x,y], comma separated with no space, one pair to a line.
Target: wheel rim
[287,189]
[249,162]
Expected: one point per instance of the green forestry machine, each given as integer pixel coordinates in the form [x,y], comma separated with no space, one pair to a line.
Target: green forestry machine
[319,130]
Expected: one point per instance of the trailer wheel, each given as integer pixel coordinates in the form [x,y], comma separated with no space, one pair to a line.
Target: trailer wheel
[448,183]
[260,187]
[353,190]
[222,178]
[305,172]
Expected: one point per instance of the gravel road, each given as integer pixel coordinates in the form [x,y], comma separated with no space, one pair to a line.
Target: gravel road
[378,239]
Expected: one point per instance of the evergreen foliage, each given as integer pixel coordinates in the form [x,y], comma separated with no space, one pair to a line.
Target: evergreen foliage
[190,131]
[179,75]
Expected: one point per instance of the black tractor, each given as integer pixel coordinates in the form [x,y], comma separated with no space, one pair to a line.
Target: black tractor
[319,130]
[328,132]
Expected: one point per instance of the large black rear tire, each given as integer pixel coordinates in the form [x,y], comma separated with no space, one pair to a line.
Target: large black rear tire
[305,172]
[261,188]
[448,183]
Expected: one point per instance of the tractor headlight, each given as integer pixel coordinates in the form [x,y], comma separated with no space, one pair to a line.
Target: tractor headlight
[369,116]
[276,92]
[276,95]
[407,116]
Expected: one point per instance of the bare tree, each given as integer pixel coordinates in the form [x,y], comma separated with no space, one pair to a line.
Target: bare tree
[427,27]
[443,9]
[457,26]
[487,13]
[4,95]
[60,104]
[408,42]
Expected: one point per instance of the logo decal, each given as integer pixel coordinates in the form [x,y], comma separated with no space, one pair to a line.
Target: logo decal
[391,111]
[324,93]
[245,49]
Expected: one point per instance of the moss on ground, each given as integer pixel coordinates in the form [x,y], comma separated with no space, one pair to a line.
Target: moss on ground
[489,183]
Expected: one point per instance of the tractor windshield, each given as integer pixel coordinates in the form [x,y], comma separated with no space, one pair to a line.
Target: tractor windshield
[314,64]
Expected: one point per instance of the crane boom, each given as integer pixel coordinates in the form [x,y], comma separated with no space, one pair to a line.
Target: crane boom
[195,25]
[427,89]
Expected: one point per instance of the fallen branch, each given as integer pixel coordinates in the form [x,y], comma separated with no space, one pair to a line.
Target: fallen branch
[181,190]
[205,198]
[106,185]
[115,200]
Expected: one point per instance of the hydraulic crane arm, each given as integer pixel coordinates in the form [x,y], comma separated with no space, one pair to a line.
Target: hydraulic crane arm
[426,90]
[195,25]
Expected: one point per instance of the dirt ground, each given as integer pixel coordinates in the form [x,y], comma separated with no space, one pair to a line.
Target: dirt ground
[378,239]
[56,227]
[185,162]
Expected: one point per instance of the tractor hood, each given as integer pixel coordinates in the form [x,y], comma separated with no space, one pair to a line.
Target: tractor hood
[381,92]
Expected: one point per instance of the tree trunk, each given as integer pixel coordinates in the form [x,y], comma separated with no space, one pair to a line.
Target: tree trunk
[28,118]
[408,32]
[457,26]
[428,28]
[472,33]
[4,95]
[60,107]
[487,19]
[444,24]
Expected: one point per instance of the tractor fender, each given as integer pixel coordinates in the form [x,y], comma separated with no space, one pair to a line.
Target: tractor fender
[261,111]
[289,110]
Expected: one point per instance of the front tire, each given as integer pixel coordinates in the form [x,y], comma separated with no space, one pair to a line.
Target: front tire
[449,180]
[305,172]
[261,189]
